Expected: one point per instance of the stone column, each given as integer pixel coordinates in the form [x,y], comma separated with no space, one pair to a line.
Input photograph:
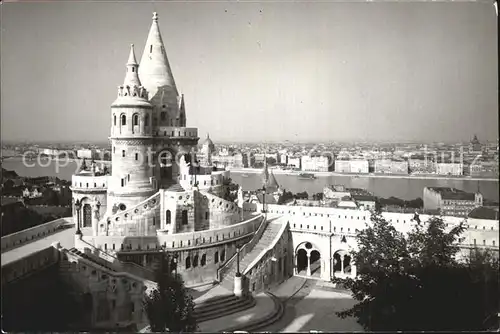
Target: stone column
[238,286]
[353,270]
[342,264]
[144,261]
[308,265]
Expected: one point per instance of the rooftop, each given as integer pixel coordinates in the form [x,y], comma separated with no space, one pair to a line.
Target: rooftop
[484,213]
[448,193]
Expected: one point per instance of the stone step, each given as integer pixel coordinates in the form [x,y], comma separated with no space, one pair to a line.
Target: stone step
[230,307]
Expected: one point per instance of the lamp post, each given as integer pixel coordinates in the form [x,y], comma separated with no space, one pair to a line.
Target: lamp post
[98,212]
[196,170]
[264,199]
[175,263]
[238,274]
[78,206]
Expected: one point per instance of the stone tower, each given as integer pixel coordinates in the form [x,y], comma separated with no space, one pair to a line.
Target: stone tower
[171,137]
[131,138]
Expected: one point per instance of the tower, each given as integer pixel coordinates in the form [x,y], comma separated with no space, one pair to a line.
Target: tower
[131,138]
[171,137]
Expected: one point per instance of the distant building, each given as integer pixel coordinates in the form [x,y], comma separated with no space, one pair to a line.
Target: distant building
[475,145]
[352,166]
[294,162]
[421,166]
[455,169]
[484,169]
[339,194]
[314,164]
[387,166]
[451,201]
[87,154]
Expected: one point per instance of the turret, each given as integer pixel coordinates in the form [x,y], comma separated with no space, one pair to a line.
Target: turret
[132,179]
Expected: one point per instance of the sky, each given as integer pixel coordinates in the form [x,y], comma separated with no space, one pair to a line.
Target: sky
[259,71]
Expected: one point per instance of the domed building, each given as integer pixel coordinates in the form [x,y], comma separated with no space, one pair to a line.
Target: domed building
[206,152]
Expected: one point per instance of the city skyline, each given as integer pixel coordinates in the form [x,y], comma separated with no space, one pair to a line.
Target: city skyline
[337,72]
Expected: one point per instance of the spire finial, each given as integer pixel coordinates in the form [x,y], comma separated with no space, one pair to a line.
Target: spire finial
[131,57]
[208,135]
[155,16]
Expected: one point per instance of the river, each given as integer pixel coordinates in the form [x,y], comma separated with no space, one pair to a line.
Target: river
[404,188]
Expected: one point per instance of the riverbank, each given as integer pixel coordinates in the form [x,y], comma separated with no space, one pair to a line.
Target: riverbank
[353,175]
[20,158]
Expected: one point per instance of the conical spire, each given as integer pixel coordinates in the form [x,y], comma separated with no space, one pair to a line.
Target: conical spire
[154,69]
[132,77]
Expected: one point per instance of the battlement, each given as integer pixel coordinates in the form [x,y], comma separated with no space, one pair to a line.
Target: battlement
[89,182]
[177,132]
[132,91]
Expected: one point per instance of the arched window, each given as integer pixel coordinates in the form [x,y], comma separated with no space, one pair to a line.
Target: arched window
[163,116]
[188,262]
[195,261]
[223,256]
[114,119]
[216,257]
[146,120]
[124,120]
[169,217]
[136,119]
[203,260]
[184,217]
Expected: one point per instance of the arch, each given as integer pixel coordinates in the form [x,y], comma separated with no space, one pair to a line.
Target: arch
[169,217]
[188,262]
[315,263]
[87,215]
[307,246]
[123,119]
[301,260]
[223,256]
[135,119]
[216,257]
[114,119]
[184,217]
[163,116]
[195,261]
[173,265]
[341,262]
[203,260]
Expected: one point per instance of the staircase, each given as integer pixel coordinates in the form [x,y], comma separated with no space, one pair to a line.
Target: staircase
[270,233]
[101,262]
[222,305]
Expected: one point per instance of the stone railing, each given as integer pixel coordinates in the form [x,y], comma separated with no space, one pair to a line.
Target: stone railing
[107,269]
[245,249]
[100,255]
[267,250]
[135,211]
[29,264]
[177,241]
[34,233]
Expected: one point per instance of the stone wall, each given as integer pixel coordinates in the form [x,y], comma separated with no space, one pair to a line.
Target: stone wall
[273,265]
[29,265]
[17,239]
[140,220]
[115,297]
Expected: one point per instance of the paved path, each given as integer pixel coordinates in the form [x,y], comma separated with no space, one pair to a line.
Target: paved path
[312,308]
[65,237]
[263,307]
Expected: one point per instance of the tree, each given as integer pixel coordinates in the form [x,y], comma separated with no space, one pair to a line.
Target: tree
[170,307]
[415,282]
